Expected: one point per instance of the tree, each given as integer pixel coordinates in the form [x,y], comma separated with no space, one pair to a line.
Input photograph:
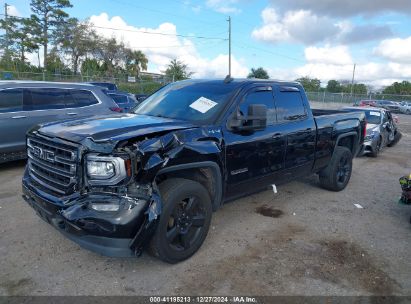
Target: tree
[90,67]
[401,88]
[77,40]
[25,36]
[111,54]
[358,88]
[135,61]
[48,14]
[55,64]
[177,70]
[310,84]
[334,86]
[258,73]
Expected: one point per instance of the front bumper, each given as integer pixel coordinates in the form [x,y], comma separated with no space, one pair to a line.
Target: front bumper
[369,146]
[122,233]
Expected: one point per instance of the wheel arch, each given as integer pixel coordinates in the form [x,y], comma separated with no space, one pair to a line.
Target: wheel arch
[348,140]
[207,173]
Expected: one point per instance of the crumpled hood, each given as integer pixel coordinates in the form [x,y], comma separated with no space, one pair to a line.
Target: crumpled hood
[111,127]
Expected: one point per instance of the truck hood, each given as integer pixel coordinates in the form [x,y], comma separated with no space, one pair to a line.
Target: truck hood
[111,127]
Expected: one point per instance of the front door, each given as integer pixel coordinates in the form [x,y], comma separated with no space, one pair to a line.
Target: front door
[253,157]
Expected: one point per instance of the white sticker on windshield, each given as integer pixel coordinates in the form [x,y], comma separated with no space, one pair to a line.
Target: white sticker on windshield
[203,105]
[375,113]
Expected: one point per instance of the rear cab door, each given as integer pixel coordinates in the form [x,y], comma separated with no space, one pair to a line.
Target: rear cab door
[296,122]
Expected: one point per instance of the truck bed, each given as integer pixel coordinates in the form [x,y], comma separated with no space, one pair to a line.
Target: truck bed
[321,112]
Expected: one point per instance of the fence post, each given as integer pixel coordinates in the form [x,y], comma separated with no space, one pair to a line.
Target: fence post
[324,97]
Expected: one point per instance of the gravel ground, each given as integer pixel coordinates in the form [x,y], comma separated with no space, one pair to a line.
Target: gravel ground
[301,241]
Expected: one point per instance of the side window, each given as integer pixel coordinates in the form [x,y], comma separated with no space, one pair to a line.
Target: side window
[290,106]
[119,98]
[83,98]
[11,100]
[260,97]
[48,98]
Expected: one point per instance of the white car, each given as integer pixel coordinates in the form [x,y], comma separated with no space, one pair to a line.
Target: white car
[405,107]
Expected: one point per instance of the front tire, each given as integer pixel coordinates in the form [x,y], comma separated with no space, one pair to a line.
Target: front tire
[396,139]
[377,149]
[184,221]
[338,172]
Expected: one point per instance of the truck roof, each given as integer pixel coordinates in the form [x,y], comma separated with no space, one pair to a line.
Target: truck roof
[242,81]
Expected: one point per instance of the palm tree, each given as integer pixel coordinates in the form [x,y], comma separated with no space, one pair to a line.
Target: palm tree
[136,61]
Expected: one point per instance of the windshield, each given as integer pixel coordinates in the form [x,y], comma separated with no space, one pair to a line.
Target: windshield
[187,100]
[373,117]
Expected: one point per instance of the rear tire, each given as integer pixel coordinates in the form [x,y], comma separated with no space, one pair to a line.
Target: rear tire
[184,221]
[338,172]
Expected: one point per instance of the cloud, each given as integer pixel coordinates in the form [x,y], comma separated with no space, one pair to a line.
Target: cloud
[224,6]
[294,26]
[396,50]
[160,49]
[364,33]
[13,11]
[338,8]
[303,26]
[196,8]
[337,55]
[321,64]
[372,73]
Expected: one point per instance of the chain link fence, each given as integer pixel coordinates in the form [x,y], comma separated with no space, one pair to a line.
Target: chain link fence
[150,82]
[347,98]
[145,85]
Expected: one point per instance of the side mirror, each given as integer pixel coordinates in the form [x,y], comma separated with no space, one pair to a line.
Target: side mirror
[256,119]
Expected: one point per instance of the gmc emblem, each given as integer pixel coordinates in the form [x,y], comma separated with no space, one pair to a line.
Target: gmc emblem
[44,154]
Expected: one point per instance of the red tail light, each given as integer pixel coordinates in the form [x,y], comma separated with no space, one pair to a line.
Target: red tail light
[116,109]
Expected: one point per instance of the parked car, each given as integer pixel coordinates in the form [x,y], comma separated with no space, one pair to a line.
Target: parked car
[405,107]
[388,105]
[107,85]
[124,100]
[365,103]
[25,104]
[382,130]
[153,177]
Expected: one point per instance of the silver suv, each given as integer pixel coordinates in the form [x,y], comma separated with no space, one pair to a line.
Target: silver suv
[25,104]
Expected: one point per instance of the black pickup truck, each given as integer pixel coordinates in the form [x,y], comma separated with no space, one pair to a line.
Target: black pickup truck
[151,178]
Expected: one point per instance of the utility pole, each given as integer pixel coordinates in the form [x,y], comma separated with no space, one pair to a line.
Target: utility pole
[229,46]
[6,27]
[352,81]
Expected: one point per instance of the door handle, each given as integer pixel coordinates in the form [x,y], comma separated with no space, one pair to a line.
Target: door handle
[276,135]
[19,117]
[71,113]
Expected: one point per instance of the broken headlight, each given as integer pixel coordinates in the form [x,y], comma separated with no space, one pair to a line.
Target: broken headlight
[371,135]
[105,170]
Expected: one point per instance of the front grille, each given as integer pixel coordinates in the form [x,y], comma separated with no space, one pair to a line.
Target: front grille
[52,165]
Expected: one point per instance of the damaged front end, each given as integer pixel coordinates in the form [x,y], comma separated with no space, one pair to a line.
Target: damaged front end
[111,203]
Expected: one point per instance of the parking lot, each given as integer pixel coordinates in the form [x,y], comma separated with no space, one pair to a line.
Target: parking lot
[301,241]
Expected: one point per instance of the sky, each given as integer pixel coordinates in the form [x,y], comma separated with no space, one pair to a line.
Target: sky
[289,38]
